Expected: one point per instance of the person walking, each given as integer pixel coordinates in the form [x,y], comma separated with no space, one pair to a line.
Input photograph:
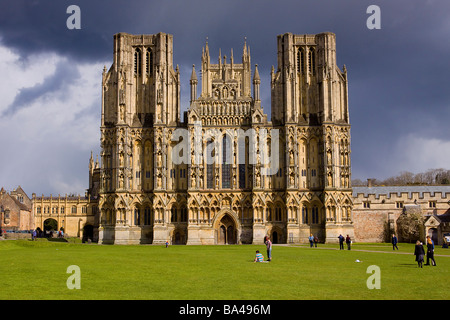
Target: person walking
[269,249]
[316,240]
[348,240]
[419,252]
[311,240]
[341,242]
[430,252]
[394,242]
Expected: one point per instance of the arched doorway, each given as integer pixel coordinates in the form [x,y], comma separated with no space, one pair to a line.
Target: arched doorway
[179,237]
[88,233]
[274,237]
[50,225]
[226,231]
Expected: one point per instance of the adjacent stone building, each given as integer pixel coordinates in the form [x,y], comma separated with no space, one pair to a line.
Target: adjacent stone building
[376,210]
[76,215]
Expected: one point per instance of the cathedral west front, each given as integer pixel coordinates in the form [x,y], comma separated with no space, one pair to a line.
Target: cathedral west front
[224,174]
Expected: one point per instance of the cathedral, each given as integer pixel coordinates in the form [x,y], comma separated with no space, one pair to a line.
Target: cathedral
[224,174]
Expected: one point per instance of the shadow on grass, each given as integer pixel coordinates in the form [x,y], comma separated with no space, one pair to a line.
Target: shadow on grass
[50,239]
[57,240]
[406,265]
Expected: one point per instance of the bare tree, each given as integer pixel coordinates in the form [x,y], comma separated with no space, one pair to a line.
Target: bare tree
[410,224]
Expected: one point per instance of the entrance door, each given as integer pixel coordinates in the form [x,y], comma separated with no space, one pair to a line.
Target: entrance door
[222,235]
[50,225]
[226,231]
[231,239]
[274,237]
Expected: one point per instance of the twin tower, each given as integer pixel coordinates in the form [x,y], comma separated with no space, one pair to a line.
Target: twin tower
[205,180]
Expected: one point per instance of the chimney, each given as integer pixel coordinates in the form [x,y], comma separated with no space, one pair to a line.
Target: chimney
[369,182]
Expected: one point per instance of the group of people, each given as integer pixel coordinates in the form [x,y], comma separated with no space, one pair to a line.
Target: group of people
[313,240]
[347,240]
[419,252]
[259,257]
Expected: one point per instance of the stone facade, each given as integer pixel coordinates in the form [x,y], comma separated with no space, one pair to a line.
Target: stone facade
[224,190]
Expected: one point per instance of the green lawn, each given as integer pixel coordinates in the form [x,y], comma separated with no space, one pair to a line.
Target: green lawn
[38,270]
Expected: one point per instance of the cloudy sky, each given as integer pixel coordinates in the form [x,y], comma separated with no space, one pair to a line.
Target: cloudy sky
[50,82]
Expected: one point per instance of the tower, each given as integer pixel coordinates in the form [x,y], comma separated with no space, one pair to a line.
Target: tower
[140,103]
[221,173]
[310,104]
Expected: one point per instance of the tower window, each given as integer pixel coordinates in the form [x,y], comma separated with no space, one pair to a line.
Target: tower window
[138,62]
[312,61]
[149,62]
[300,61]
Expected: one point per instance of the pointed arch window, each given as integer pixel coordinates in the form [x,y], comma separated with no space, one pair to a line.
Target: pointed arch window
[300,60]
[315,215]
[226,162]
[137,216]
[278,213]
[138,62]
[147,216]
[210,166]
[312,61]
[183,214]
[149,62]
[173,217]
[305,215]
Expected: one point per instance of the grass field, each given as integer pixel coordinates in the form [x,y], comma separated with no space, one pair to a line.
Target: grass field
[38,270]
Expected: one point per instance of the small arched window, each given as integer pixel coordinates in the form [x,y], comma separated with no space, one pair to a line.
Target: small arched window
[149,62]
[300,60]
[312,61]
[138,62]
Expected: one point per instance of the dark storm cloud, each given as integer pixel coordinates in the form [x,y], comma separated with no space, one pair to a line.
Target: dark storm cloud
[64,74]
